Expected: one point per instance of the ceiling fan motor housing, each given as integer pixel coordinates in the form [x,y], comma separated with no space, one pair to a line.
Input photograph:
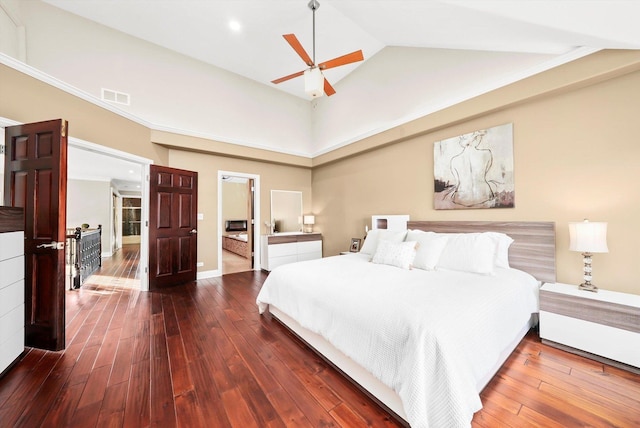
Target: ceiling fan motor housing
[314,82]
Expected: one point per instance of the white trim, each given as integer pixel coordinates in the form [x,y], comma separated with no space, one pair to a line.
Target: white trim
[143,266]
[59,84]
[209,274]
[37,74]
[144,163]
[97,148]
[507,80]
[256,218]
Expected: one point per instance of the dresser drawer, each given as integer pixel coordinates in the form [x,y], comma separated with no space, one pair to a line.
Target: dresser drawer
[11,271]
[280,250]
[10,323]
[11,245]
[310,247]
[11,296]
[11,349]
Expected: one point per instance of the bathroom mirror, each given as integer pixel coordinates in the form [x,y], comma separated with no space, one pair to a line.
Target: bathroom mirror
[286,210]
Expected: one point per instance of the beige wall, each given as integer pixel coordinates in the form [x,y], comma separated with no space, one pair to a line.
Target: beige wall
[234,201]
[90,202]
[577,155]
[26,99]
[576,151]
[272,176]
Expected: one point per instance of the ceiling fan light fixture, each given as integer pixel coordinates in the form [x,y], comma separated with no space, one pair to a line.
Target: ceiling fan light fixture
[314,82]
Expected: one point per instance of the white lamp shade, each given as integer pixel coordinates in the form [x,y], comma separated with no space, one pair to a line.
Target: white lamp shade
[588,237]
[314,82]
[309,219]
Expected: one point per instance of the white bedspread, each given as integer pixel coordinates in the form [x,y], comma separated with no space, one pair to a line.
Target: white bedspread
[430,336]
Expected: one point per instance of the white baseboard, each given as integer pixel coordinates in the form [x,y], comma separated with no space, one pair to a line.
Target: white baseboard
[208,274]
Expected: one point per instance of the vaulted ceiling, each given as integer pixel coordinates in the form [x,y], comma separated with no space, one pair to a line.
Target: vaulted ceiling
[398,38]
[201,29]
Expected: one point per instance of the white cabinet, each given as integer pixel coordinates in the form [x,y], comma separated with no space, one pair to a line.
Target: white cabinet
[11,297]
[278,250]
[603,324]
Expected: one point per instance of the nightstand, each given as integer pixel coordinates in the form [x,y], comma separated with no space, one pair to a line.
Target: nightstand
[604,326]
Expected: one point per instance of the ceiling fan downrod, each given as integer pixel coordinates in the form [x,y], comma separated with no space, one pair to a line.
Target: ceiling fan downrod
[314,5]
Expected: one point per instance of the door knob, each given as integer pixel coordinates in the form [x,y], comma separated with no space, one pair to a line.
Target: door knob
[54,245]
[193,231]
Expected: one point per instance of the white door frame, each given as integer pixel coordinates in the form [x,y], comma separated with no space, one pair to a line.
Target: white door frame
[144,179]
[143,266]
[256,218]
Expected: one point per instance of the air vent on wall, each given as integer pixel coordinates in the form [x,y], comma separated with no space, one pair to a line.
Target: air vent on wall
[115,96]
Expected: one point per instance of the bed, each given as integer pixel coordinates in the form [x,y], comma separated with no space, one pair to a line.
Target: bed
[423,341]
[237,244]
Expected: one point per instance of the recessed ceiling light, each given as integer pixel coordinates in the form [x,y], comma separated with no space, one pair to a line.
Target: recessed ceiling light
[235,25]
[131,171]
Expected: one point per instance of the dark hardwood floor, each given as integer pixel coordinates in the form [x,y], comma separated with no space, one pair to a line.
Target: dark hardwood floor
[199,355]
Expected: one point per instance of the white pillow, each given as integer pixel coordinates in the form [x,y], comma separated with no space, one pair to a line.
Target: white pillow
[429,248]
[399,254]
[502,252]
[375,235]
[469,252]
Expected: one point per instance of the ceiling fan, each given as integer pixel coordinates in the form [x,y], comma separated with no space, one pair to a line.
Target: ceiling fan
[315,82]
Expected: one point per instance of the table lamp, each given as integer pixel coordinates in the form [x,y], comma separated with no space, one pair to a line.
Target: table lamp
[588,237]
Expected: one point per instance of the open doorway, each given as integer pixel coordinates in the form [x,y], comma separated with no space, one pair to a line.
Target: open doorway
[238,237]
[117,181]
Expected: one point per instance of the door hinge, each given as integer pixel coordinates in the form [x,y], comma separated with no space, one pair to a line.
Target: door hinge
[2,149]
[146,223]
[146,270]
[63,130]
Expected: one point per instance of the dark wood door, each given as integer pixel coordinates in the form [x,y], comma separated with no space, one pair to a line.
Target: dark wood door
[36,180]
[173,239]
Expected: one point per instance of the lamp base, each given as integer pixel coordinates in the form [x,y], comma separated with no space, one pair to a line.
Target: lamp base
[587,286]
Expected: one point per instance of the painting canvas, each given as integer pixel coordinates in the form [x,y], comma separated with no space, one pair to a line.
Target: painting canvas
[475,170]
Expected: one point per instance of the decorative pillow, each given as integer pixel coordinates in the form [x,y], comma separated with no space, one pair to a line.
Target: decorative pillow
[502,252]
[429,248]
[375,235]
[469,252]
[399,254]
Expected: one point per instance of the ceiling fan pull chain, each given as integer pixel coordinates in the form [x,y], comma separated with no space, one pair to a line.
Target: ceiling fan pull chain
[314,5]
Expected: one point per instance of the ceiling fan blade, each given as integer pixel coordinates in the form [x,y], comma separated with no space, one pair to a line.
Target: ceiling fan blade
[328,89]
[285,78]
[342,60]
[295,44]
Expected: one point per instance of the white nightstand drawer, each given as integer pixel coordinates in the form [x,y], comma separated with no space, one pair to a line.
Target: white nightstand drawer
[604,324]
[614,343]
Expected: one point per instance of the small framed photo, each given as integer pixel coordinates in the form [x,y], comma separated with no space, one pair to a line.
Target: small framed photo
[355,245]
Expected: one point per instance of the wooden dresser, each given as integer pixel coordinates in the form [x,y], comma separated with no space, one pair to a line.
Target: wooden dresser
[11,286]
[281,249]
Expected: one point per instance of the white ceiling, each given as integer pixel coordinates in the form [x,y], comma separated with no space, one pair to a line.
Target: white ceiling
[89,165]
[199,28]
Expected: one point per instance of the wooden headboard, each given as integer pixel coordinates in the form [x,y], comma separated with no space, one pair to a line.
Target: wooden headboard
[534,243]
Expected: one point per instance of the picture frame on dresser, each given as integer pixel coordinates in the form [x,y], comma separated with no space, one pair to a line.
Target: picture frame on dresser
[355,245]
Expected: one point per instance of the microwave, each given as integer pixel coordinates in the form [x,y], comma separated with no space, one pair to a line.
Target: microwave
[236,225]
